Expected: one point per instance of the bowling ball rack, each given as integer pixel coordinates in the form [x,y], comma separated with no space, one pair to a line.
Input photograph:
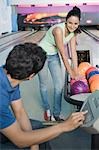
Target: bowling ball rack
[77,99]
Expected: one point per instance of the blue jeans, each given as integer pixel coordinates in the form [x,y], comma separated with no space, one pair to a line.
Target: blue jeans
[54,65]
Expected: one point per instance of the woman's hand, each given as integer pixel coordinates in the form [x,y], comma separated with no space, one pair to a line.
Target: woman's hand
[76,76]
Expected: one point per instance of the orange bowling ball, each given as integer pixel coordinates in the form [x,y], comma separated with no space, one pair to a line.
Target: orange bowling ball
[83,67]
[94,85]
[93,78]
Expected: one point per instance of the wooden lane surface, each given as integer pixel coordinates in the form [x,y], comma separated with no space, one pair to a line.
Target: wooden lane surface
[13,37]
[95,32]
[31,37]
[35,38]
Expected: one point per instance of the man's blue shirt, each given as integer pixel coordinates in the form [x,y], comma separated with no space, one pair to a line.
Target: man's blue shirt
[7,95]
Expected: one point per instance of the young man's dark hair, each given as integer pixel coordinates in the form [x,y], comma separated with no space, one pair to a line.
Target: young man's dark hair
[24,60]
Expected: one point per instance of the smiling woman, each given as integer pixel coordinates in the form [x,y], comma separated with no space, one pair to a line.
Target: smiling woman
[55,44]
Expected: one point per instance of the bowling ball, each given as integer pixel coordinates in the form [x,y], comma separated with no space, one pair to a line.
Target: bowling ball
[95,77]
[94,85]
[79,87]
[83,67]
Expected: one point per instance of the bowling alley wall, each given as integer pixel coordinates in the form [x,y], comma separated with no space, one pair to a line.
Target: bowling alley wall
[10,9]
[5,17]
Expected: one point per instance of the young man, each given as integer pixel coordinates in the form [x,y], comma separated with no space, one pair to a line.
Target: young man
[22,63]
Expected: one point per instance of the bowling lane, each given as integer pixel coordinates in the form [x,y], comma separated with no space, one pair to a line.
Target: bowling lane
[5,49]
[95,32]
[6,39]
[29,36]
[12,39]
[35,38]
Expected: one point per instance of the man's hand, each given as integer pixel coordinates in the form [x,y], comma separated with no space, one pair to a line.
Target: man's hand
[34,147]
[74,121]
